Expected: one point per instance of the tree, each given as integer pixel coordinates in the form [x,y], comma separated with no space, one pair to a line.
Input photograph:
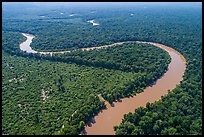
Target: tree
[81,125]
[137,131]
[69,130]
[195,127]
[169,131]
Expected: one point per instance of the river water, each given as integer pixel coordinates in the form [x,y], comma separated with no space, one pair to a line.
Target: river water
[25,46]
[112,116]
[105,121]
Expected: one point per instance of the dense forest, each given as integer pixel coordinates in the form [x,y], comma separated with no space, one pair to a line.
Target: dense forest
[59,94]
[40,96]
[128,57]
[179,112]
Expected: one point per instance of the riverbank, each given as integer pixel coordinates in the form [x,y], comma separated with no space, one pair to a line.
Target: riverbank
[107,119]
[112,116]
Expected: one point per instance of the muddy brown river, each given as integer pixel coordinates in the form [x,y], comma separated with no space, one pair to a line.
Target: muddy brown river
[105,121]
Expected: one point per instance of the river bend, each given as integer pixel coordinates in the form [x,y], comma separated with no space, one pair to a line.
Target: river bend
[112,116]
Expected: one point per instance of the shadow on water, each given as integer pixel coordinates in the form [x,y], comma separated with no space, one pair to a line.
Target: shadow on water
[89,125]
[154,83]
[120,100]
[91,122]
[112,105]
[83,132]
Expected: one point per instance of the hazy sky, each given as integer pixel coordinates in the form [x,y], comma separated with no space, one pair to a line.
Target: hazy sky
[106,3]
[115,3]
[103,4]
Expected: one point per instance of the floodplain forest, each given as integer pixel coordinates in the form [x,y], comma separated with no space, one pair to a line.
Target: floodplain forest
[60,93]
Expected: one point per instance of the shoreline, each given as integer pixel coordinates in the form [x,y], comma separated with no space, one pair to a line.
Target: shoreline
[129,104]
[114,115]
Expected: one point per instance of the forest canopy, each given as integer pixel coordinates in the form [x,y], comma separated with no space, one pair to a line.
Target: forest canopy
[59,94]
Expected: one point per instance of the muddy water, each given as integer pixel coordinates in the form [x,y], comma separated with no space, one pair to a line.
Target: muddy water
[112,116]
[25,46]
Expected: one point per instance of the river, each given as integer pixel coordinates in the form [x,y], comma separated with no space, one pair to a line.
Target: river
[112,116]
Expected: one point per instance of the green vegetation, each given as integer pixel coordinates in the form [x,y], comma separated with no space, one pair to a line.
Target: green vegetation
[180,111]
[12,48]
[72,82]
[128,57]
[40,96]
